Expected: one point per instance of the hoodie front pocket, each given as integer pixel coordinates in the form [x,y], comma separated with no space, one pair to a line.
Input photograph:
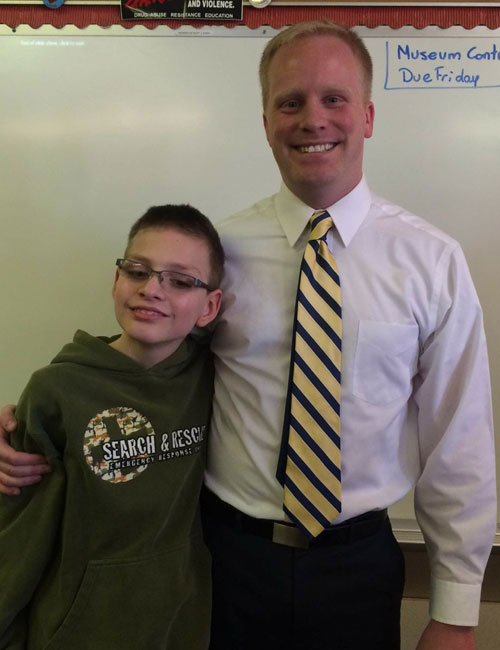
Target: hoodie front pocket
[139,603]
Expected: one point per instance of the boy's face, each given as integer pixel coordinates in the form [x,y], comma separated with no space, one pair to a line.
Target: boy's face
[155,318]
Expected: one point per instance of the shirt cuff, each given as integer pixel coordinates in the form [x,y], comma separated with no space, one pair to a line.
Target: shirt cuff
[454,603]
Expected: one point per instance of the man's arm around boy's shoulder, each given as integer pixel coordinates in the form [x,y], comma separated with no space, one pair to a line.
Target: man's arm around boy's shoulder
[16,466]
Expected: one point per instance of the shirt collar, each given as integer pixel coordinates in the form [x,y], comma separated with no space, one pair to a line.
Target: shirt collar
[348,214]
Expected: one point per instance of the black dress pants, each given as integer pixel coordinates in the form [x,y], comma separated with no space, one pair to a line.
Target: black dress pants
[272,597]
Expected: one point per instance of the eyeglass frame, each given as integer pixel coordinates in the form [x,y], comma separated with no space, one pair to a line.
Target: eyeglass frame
[198,284]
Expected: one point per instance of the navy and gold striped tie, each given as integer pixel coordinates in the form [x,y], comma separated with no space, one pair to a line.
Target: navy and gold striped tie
[310,462]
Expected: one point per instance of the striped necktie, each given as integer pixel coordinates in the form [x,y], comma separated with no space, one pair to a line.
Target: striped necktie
[309,466]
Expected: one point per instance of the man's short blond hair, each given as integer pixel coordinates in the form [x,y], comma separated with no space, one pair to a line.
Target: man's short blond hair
[316,28]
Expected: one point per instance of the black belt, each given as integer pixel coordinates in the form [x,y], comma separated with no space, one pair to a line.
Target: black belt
[288,534]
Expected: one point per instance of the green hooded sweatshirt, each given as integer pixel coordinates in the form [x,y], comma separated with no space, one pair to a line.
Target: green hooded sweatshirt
[106,553]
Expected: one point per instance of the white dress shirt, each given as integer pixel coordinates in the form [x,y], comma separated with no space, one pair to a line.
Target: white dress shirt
[416,402]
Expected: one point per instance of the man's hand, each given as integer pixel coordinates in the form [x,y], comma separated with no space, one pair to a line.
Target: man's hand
[17,469]
[440,636]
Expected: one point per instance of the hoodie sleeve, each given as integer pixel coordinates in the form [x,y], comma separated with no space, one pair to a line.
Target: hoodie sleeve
[29,522]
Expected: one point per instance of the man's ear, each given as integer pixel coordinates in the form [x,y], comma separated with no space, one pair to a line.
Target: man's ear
[264,120]
[212,306]
[369,119]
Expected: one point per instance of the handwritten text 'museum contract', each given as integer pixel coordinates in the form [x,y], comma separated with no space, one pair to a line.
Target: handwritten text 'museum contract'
[442,63]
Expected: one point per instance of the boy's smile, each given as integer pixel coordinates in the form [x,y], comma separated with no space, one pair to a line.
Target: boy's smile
[147,314]
[154,317]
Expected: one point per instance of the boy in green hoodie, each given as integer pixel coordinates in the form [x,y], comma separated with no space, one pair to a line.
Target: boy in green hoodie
[107,552]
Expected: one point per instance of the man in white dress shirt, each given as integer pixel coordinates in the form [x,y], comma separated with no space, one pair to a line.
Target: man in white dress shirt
[415,405]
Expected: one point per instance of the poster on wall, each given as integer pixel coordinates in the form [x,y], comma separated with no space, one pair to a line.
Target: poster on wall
[182,9]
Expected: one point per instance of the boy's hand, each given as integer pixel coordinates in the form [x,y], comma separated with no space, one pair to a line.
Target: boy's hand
[17,469]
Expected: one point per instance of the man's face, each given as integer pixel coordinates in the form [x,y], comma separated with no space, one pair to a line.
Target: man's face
[155,317]
[317,117]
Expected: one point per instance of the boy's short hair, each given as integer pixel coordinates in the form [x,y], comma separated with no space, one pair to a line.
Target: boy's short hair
[316,28]
[188,220]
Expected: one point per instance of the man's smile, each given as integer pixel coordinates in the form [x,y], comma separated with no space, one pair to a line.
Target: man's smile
[316,148]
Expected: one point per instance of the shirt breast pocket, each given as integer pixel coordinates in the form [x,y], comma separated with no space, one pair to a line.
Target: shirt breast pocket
[385,361]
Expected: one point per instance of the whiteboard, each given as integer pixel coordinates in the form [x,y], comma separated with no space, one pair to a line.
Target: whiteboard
[97,125]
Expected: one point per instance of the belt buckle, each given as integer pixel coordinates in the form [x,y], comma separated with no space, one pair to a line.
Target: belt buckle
[289,535]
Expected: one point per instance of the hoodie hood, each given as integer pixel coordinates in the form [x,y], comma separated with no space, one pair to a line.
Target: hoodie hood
[96,352]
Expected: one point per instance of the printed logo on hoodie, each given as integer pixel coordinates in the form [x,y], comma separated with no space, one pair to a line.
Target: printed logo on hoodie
[111,452]
[120,443]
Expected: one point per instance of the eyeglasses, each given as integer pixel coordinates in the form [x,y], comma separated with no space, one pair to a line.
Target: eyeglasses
[174,280]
